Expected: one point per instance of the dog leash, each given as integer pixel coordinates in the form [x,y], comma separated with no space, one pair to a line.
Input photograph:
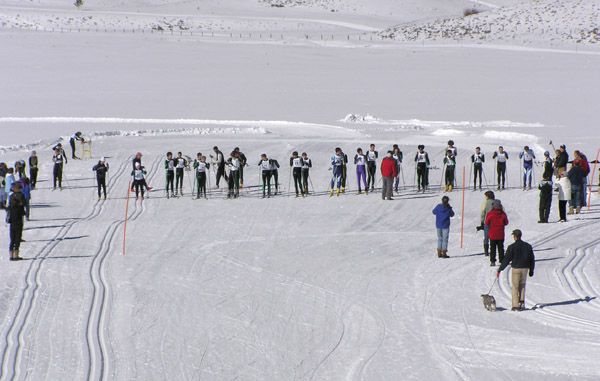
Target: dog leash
[493,284]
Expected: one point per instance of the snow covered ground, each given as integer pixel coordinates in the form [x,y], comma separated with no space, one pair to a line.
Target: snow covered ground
[317,288]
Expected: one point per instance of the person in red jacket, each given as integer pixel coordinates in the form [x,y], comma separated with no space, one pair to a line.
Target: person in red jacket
[389,170]
[495,221]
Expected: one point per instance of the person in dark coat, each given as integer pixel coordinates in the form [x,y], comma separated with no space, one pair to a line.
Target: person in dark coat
[16,212]
[548,164]
[576,176]
[545,188]
[522,260]
[561,160]
[101,169]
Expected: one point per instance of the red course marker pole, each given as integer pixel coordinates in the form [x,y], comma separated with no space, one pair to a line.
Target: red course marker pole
[462,212]
[126,216]
[592,180]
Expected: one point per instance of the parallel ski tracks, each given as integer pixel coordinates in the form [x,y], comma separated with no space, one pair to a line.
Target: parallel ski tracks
[13,340]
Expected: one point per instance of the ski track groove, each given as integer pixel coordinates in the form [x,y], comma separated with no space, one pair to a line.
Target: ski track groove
[98,362]
[566,284]
[14,340]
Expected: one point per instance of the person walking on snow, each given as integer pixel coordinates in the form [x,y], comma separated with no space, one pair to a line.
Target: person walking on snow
[450,164]
[496,220]
[170,174]
[201,167]
[33,169]
[389,170]
[486,206]
[443,212]
[563,187]
[520,256]
[58,159]
[138,160]
[582,161]
[422,163]
[372,156]
[233,163]
[527,156]
[275,174]
[139,180]
[501,158]
[477,159]
[296,165]
[337,162]
[26,190]
[548,166]
[360,160]
[265,165]
[545,188]
[243,163]
[101,169]
[218,161]
[576,176]
[16,212]
[180,164]
[306,166]
[398,156]
[75,137]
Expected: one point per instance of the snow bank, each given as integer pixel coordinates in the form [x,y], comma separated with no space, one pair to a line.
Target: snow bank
[422,124]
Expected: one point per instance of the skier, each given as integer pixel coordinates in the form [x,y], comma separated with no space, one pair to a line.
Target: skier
[306,166]
[501,157]
[344,171]
[243,163]
[20,168]
[138,160]
[296,165]
[275,174]
[388,172]
[528,156]
[16,212]
[422,161]
[561,161]
[3,193]
[563,187]
[101,169]
[33,169]
[545,188]
[477,159]
[452,149]
[582,160]
[139,180]
[575,176]
[76,136]
[337,162]
[397,156]
[486,206]
[450,163]
[218,161]
[443,212]
[9,180]
[360,160]
[233,163]
[57,172]
[180,164]
[548,165]
[201,167]
[265,169]
[496,220]
[522,260]
[372,156]
[26,191]
[170,174]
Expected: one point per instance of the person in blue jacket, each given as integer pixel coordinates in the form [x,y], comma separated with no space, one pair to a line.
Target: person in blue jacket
[443,212]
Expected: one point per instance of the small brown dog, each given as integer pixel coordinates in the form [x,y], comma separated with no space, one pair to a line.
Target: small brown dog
[489,302]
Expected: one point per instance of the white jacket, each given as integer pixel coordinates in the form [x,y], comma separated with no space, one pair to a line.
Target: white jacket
[563,185]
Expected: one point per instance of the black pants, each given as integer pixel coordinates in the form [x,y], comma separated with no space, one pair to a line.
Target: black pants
[233,183]
[266,180]
[371,169]
[72,142]
[562,209]
[422,175]
[101,185]
[179,179]
[496,245]
[305,180]
[478,173]
[57,175]
[139,187]
[170,178]
[33,173]
[241,174]
[501,169]
[16,232]
[200,184]
[545,209]
[275,174]
[297,174]
[344,175]
[450,175]
[220,173]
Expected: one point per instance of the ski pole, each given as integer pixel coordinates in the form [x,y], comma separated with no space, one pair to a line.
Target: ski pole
[311,184]
[470,173]
[442,177]
[289,181]
[415,182]
[402,173]
[484,177]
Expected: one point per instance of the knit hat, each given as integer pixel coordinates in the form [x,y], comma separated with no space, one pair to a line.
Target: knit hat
[496,204]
